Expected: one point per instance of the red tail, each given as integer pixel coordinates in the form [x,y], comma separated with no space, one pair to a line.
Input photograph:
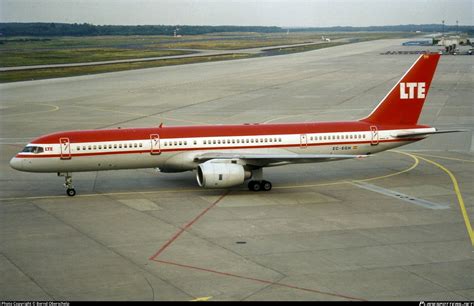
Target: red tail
[403,104]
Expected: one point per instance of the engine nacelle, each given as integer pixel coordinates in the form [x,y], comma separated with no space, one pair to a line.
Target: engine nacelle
[221,174]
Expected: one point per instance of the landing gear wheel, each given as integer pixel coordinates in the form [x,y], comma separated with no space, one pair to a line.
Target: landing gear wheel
[71,192]
[266,185]
[254,186]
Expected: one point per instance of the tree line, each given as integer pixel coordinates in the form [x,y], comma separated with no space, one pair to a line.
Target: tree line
[86,29]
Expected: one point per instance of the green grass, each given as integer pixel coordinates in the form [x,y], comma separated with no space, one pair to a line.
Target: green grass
[288,50]
[27,51]
[46,73]
[83,55]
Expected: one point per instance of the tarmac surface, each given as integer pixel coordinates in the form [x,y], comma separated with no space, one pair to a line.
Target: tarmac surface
[350,230]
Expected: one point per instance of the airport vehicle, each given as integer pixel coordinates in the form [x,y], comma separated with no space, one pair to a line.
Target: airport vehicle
[227,155]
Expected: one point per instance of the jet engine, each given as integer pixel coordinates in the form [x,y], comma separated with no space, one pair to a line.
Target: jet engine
[221,174]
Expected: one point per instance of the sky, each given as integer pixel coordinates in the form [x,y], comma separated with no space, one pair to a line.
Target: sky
[284,13]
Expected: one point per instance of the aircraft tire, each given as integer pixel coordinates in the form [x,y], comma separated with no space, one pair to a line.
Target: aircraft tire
[266,186]
[71,192]
[254,186]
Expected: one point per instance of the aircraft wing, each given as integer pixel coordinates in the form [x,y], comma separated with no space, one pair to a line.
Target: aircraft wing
[427,133]
[266,160]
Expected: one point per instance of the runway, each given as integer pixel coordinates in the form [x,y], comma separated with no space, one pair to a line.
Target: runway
[330,231]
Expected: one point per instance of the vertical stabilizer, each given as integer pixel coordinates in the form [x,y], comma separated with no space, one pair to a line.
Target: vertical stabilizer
[403,104]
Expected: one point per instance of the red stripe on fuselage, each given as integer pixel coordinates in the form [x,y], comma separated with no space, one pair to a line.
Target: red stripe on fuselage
[19,155]
[212,131]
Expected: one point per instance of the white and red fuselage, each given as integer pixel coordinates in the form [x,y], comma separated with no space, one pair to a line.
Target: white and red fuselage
[227,155]
[174,149]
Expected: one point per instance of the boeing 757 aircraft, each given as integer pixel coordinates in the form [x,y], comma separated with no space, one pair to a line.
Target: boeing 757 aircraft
[228,155]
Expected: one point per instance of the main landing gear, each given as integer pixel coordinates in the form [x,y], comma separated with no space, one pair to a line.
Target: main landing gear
[258,183]
[70,191]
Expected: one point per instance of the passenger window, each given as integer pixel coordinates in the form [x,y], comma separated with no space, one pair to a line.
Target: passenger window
[100,147]
[78,148]
[195,142]
[140,145]
[89,148]
[135,145]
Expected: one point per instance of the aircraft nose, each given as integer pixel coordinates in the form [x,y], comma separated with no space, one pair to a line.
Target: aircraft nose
[16,163]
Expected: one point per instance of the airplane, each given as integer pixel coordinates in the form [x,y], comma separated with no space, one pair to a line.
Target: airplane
[227,155]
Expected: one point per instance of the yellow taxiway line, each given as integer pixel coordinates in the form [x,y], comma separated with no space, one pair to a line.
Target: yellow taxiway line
[54,108]
[458,195]
[202,299]
[445,157]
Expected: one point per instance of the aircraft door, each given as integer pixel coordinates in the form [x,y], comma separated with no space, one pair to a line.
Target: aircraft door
[303,141]
[374,135]
[155,144]
[65,147]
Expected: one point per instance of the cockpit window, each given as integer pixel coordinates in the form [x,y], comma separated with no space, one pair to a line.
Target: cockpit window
[33,149]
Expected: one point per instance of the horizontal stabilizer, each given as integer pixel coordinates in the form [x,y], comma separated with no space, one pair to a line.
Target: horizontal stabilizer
[415,134]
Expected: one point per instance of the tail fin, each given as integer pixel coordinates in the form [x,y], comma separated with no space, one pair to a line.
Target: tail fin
[403,104]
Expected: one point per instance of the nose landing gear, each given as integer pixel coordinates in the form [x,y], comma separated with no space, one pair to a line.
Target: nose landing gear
[70,191]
